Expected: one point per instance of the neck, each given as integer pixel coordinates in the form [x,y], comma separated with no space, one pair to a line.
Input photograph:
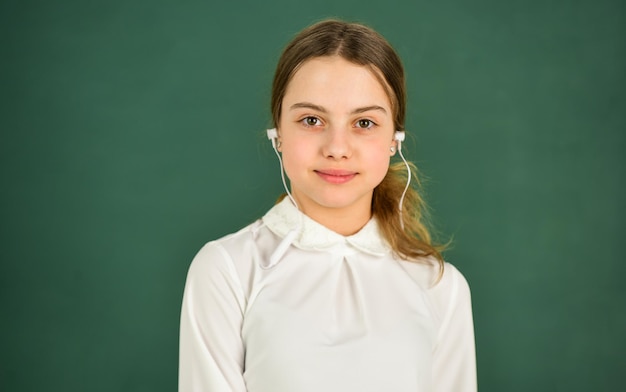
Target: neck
[345,220]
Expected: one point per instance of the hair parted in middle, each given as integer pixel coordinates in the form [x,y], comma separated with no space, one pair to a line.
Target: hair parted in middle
[361,45]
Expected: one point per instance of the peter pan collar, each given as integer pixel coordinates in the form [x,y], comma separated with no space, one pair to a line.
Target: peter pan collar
[285,220]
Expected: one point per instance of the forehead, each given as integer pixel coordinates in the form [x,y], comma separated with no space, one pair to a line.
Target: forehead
[334,81]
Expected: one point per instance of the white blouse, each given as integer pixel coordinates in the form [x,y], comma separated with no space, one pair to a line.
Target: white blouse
[287,305]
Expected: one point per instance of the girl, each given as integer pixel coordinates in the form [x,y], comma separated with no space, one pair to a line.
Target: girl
[338,288]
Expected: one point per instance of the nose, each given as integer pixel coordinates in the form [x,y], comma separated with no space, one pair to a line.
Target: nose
[337,144]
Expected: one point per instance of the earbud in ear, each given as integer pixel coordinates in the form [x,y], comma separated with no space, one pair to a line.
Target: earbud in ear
[272,135]
[399,138]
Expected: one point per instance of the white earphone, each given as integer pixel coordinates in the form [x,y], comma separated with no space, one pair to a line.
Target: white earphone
[399,136]
[272,134]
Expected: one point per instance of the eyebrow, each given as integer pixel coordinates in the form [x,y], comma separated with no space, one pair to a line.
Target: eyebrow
[308,105]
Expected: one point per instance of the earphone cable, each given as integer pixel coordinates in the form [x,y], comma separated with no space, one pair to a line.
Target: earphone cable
[408,182]
[282,176]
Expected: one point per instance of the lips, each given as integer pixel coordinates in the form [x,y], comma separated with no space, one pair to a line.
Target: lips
[335,176]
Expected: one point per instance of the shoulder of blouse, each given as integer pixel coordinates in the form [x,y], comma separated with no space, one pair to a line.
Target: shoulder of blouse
[445,295]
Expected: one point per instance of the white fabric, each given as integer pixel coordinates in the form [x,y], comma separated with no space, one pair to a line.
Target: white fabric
[330,314]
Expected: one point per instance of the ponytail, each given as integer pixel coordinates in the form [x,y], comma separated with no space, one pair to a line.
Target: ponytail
[413,242]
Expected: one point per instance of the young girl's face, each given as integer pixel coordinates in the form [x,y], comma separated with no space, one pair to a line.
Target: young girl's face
[336,133]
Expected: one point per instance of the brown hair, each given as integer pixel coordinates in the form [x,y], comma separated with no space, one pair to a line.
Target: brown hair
[361,45]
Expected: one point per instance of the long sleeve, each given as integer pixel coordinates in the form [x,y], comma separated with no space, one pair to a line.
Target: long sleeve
[333,314]
[211,348]
[454,367]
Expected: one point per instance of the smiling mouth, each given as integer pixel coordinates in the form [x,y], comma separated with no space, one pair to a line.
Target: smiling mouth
[336,176]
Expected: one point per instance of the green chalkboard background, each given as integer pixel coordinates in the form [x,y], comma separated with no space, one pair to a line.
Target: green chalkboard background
[132,133]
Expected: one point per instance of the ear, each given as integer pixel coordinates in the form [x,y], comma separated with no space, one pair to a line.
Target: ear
[398,137]
[279,141]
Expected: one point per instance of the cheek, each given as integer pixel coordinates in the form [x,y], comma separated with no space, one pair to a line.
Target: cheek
[379,161]
[380,165]
[295,155]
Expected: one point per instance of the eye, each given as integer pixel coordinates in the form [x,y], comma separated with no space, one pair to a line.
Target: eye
[311,121]
[365,123]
